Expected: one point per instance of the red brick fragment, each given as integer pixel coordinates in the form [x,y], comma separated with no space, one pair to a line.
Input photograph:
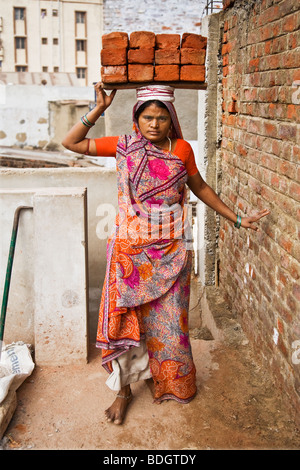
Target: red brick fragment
[164,73]
[114,56]
[141,40]
[193,41]
[192,73]
[167,41]
[167,57]
[114,74]
[115,40]
[141,56]
[192,56]
[140,73]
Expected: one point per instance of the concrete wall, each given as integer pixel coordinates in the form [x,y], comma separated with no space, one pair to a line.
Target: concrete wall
[48,297]
[208,119]
[62,116]
[101,210]
[260,272]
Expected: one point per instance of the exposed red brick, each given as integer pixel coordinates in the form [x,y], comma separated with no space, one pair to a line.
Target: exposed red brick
[167,41]
[141,56]
[141,40]
[192,73]
[289,23]
[140,72]
[114,74]
[193,41]
[192,56]
[115,40]
[164,73]
[232,108]
[259,152]
[114,56]
[167,57]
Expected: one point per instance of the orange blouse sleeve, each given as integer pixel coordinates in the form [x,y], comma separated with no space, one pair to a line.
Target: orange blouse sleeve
[106,146]
[185,152]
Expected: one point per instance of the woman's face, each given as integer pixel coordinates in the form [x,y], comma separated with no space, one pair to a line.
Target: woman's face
[154,123]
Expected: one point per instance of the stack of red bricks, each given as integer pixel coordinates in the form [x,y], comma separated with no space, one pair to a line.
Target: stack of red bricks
[148,57]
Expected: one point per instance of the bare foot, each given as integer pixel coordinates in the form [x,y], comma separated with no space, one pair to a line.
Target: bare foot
[117,411]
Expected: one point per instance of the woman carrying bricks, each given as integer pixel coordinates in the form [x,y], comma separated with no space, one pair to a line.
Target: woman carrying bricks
[143,317]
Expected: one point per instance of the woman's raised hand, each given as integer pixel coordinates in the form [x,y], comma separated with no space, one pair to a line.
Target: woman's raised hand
[103,100]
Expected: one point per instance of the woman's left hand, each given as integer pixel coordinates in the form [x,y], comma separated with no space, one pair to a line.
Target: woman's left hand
[102,99]
[248,222]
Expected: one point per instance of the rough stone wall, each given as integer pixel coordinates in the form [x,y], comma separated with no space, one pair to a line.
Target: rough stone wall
[260,149]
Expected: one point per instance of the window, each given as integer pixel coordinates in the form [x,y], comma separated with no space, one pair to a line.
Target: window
[80,16]
[43,12]
[19,13]
[44,41]
[20,43]
[55,41]
[21,68]
[80,45]
[45,69]
[81,72]
[54,12]
[56,69]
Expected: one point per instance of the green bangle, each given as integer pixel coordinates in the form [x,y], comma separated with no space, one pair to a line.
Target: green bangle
[90,123]
[84,123]
[238,221]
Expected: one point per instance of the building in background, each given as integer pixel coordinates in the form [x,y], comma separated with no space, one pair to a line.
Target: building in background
[48,36]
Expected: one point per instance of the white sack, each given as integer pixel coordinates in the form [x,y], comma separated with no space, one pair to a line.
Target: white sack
[15,366]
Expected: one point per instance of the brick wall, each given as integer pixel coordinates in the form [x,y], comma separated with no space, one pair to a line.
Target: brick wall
[260,150]
[159,16]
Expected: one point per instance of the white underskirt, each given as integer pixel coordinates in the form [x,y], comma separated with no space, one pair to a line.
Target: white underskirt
[130,367]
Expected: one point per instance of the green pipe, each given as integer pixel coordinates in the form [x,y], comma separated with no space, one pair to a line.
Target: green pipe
[9,270]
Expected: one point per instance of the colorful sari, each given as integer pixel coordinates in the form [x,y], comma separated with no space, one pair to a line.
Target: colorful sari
[145,295]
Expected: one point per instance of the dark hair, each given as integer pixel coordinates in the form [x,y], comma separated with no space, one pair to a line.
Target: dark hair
[145,105]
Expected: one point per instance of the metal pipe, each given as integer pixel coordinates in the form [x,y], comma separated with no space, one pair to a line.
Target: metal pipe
[9,271]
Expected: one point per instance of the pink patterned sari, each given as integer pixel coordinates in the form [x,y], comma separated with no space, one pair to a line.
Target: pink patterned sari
[147,284]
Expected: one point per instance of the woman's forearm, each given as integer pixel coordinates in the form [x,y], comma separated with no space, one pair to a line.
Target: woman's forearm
[75,139]
[207,195]
[211,199]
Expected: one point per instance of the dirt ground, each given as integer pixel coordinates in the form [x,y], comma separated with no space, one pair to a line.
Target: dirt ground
[236,408]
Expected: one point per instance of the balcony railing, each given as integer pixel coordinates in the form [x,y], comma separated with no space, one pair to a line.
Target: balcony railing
[213,6]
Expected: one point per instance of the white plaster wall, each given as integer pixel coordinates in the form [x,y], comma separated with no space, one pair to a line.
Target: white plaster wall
[24,111]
